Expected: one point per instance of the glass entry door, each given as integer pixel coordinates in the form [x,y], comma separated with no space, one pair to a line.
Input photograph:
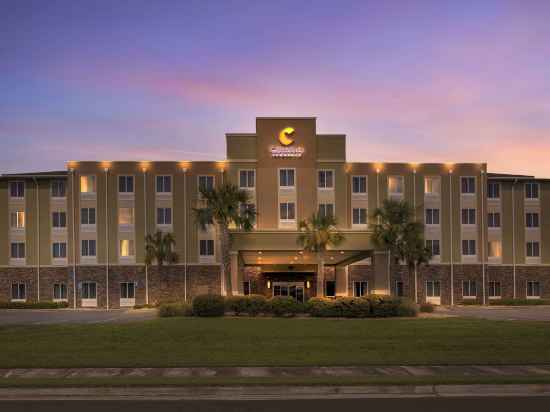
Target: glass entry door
[293,289]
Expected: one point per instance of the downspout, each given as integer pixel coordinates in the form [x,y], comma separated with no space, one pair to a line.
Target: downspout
[451,227]
[74,236]
[145,233]
[483,242]
[107,236]
[414,215]
[37,240]
[185,237]
[514,233]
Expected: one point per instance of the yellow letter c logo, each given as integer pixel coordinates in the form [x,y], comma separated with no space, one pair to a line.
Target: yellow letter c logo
[284,136]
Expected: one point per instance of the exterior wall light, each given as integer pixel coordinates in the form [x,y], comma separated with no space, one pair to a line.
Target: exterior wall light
[308,284]
[269,284]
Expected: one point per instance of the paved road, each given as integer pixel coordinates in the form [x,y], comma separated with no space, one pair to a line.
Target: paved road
[59,316]
[541,313]
[387,405]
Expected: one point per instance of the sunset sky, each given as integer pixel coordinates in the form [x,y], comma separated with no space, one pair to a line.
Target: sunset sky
[422,81]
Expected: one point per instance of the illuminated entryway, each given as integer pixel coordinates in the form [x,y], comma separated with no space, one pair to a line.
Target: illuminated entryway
[293,289]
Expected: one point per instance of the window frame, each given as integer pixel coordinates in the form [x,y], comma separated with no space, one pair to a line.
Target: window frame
[52,191]
[279,178]
[331,282]
[532,220]
[19,184]
[326,205]
[359,193]
[60,246]
[469,295]
[532,243]
[469,248]
[466,212]
[533,185]
[126,288]
[402,179]
[59,214]
[131,249]
[88,224]
[432,216]
[293,219]
[62,287]
[359,224]
[494,184]
[88,283]
[489,249]
[88,248]
[325,172]
[431,247]
[431,291]
[492,287]
[161,184]
[207,243]
[21,247]
[132,217]
[164,214]
[432,193]
[530,284]
[468,179]
[18,214]
[247,174]
[125,178]
[492,218]
[94,185]
[208,178]
[363,288]
[19,297]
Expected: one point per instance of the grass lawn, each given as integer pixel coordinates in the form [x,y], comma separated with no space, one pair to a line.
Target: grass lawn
[276,342]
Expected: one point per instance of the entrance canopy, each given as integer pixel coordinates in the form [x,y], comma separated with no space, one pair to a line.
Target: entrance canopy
[294,258]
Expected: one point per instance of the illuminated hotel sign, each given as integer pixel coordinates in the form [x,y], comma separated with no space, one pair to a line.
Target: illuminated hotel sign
[286,150]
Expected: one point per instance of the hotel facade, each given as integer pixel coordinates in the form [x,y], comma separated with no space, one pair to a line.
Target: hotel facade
[78,235]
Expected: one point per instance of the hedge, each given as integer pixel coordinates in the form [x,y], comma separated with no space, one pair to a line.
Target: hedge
[361,307]
[284,306]
[251,305]
[426,308]
[168,310]
[208,305]
[34,305]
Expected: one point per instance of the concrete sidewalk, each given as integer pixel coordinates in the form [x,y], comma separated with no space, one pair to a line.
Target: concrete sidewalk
[267,372]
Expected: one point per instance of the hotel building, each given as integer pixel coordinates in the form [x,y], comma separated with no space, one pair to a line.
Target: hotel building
[78,235]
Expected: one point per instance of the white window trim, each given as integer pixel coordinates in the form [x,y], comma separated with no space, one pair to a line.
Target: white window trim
[360,194]
[470,288]
[475,186]
[333,179]
[531,199]
[286,188]
[24,190]
[251,188]
[360,225]
[87,195]
[432,194]
[18,300]
[432,224]
[295,213]
[51,189]
[475,217]
[396,194]
[163,194]
[328,203]
[127,194]
[494,199]
[206,258]
[205,175]
[126,258]
[534,297]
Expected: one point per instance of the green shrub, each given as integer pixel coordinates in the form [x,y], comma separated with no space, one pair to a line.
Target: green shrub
[520,302]
[236,304]
[34,305]
[168,310]
[383,307]
[284,306]
[209,305]
[256,304]
[322,308]
[407,308]
[426,308]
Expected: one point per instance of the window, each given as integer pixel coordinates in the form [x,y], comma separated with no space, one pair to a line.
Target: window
[126,216]
[396,185]
[433,288]
[88,248]
[325,179]
[433,246]
[493,190]
[432,216]
[17,250]
[326,209]
[494,248]
[127,290]
[59,291]
[246,288]
[533,249]
[493,219]
[164,216]
[286,177]
[469,289]
[206,183]
[59,219]
[468,247]
[17,219]
[288,211]
[88,184]
[360,288]
[206,247]
[127,248]
[432,185]
[89,290]
[164,184]
[330,288]
[531,190]
[533,289]
[87,216]
[126,184]
[18,291]
[468,185]
[59,188]
[359,216]
[468,216]
[247,179]
[494,289]
[359,185]
[532,220]
[399,290]
[59,250]
[246,207]
[17,189]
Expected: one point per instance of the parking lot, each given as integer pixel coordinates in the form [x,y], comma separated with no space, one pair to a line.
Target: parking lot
[57,316]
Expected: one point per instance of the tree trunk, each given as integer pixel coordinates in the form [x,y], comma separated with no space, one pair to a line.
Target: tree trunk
[225,269]
[412,282]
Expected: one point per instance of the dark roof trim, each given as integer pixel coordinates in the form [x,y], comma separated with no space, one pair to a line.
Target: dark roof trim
[44,175]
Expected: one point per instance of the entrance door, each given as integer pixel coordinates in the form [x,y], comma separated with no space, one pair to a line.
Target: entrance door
[293,289]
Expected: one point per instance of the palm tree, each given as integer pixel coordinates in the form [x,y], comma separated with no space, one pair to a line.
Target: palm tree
[402,236]
[319,234]
[225,206]
[159,248]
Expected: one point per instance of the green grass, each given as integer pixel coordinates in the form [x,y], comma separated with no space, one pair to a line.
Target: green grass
[275,342]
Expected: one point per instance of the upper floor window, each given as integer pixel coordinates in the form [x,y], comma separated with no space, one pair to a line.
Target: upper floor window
[206,247]
[359,216]
[59,219]
[359,184]
[88,184]
[164,184]
[17,189]
[126,184]
[396,185]
[493,190]
[533,249]
[468,247]
[164,216]
[59,250]
[326,209]
[17,250]
[432,185]
[88,248]
[247,179]
[287,211]
[127,248]
[468,185]
[286,178]
[126,216]
[532,220]
[59,188]
[87,216]
[206,183]
[531,190]
[432,216]
[17,219]
[494,248]
[433,246]
[325,179]
[468,216]
[493,219]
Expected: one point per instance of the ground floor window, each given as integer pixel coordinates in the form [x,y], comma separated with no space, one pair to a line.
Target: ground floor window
[89,290]
[533,289]
[399,288]
[59,291]
[360,288]
[206,247]
[127,290]
[293,289]
[469,289]
[18,291]
[330,288]
[433,288]
[246,288]
[494,289]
